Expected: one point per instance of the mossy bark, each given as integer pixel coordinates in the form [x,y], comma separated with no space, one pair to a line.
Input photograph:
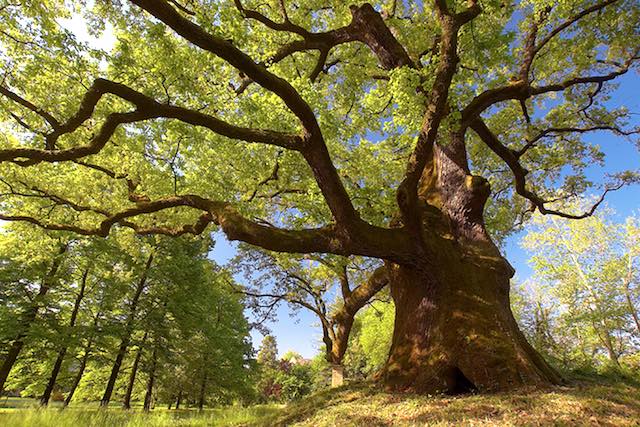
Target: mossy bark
[454,329]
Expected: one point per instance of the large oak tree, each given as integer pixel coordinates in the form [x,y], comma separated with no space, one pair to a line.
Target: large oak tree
[323,127]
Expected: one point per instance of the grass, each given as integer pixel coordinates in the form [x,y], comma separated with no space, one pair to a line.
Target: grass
[584,403]
[24,414]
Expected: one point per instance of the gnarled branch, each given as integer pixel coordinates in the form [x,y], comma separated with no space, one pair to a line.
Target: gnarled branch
[510,157]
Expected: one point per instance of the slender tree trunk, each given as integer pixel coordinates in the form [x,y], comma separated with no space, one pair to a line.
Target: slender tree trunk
[126,403]
[203,388]
[608,344]
[179,399]
[634,312]
[124,343]
[336,331]
[29,317]
[10,360]
[117,364]
[46,395]
[152,377]
[79,374]
[44,399]
[335,352]
[627,294]
[83,362]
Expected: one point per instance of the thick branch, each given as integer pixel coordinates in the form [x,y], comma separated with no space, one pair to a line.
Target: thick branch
[365,291]
[30,106]
[521,90]
[234,56]
[366,26]
[436,109]
[146,108]
[315,150]
[287,25]
[368,240]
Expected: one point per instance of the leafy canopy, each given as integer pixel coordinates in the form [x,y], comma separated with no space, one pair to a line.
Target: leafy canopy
[237,102]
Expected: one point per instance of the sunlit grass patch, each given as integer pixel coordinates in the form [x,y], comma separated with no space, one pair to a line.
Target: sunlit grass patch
[72,417]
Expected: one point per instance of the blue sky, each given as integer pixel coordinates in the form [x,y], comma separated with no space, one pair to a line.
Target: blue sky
[302,333]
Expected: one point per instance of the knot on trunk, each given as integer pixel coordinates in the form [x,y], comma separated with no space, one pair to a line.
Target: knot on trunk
[480,190]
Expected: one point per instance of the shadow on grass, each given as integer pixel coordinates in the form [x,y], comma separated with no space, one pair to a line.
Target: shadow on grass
[322,400]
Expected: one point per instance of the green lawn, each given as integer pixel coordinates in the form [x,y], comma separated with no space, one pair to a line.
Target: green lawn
[584,403]
[17,412]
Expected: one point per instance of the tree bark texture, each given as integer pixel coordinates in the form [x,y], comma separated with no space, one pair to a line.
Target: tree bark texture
[454,330]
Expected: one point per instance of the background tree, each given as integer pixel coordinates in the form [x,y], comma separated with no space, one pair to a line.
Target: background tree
[26,295]
[324,285]
[68,331]
[373,338]
[186,308]
[371,130]
[281,379]
[368,346]
[268,351]
[590,269]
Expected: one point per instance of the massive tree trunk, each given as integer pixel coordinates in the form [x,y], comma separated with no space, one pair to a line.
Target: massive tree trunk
[29,317]
[126,402]
[44,399]
[454,330]
[126,337]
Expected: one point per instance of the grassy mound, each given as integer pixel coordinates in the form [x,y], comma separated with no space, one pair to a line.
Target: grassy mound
[583,403]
